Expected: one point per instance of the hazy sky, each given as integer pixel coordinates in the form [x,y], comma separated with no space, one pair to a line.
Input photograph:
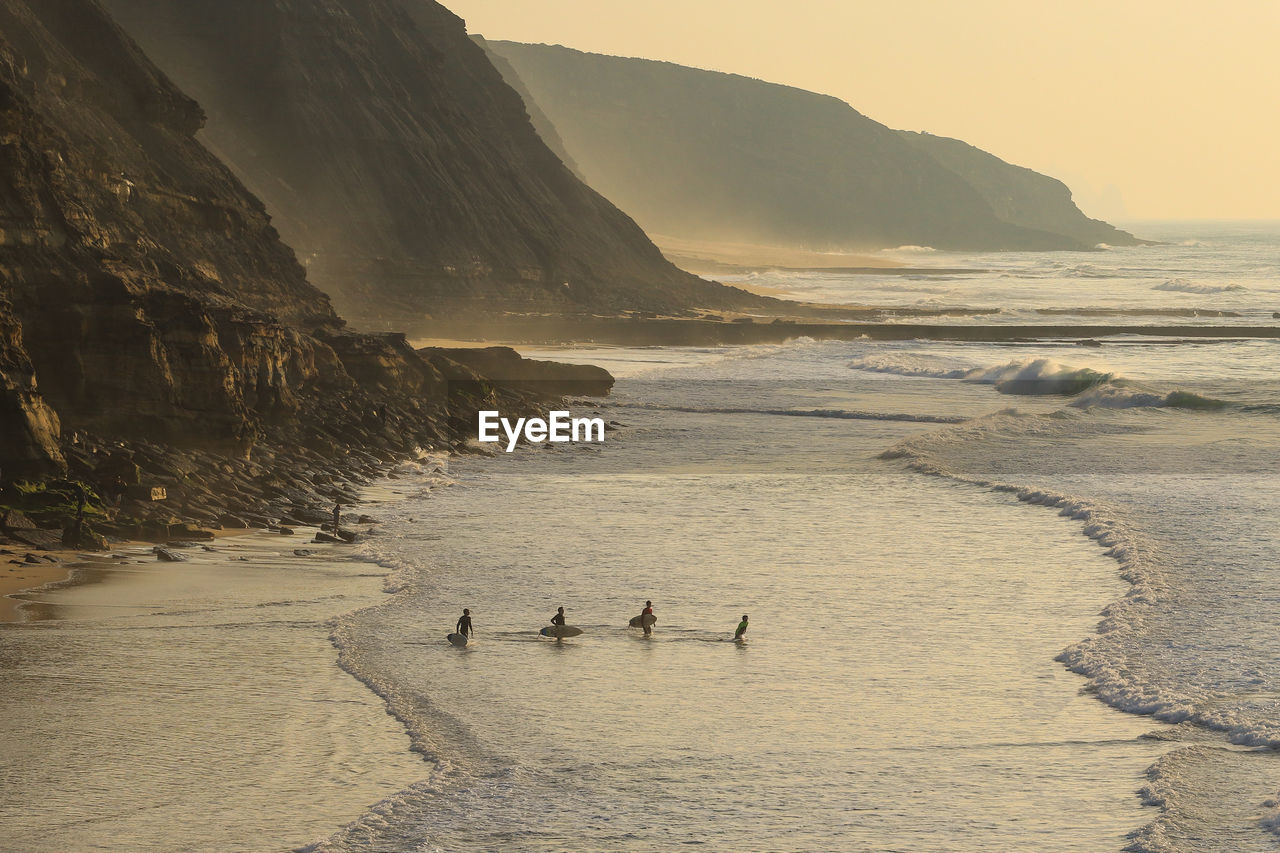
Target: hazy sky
[1146,108]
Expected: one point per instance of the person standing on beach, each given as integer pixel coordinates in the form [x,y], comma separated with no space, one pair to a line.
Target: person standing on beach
[558,619]
[337,517]
[464,624]
[647,624]
[742,628]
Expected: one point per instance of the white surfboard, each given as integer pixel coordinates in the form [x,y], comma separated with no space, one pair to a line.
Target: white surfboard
[458,640]
[644,620]
[560,631]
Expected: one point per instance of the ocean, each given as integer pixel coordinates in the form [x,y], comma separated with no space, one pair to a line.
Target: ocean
[1002,596]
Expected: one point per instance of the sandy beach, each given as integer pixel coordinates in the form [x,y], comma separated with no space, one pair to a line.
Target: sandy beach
[166,688]
[16,579]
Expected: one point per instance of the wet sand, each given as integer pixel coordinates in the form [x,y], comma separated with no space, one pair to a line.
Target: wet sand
[152,705]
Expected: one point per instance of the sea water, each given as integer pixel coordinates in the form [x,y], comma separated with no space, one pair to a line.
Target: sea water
[1014,596]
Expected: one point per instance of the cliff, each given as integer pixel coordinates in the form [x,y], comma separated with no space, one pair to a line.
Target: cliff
[709,156]
[399,165]
[156,336]
[1016,194]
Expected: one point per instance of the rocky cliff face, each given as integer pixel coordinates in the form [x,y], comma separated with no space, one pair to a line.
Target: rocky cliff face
[703,155]
[399,165]
[139,269]
[30,429]
[154,331]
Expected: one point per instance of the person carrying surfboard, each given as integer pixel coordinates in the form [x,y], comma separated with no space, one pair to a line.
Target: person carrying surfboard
[558,619]
[742,628]
[464,624]
[647,624]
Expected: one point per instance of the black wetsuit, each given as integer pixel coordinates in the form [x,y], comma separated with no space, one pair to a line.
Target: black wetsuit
[558,619]
[464,626]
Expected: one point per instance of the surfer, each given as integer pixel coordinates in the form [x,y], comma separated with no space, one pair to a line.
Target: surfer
[647,624]
[742,628]
[464,624]
[558,619]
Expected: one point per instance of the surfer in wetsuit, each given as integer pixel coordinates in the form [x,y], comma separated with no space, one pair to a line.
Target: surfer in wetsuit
[742,628]
[558,619]
[464,624]
[645,623]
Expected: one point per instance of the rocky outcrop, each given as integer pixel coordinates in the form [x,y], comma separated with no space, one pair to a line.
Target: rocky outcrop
[399,165]
[542,379]
[703,155]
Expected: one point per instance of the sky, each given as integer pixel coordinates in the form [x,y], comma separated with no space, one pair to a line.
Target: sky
[1148,109]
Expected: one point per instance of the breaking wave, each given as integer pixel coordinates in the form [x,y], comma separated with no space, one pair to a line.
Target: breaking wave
[1181,285]
[1100,657]
[1043,377]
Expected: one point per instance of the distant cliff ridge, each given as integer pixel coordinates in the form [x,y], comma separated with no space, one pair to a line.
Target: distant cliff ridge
[703,155]
[398,163]
[1019,195]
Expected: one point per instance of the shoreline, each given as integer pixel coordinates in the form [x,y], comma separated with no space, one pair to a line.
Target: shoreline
[74,568]
[636,332]
[147,654]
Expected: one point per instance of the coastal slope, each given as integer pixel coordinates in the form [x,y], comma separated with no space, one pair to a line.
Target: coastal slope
[158,342]
[703,155]
[399,164]
[1016,194]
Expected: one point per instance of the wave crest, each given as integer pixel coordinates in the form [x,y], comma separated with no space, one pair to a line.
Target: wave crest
[1181,285]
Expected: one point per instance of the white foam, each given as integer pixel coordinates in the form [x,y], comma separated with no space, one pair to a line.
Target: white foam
[1100,658]
[1181,285]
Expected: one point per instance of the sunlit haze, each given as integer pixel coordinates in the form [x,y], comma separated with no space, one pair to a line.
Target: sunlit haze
[1146,109]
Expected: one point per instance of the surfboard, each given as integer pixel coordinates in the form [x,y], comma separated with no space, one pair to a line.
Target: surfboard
[560,631]
[458,640]
[644,620]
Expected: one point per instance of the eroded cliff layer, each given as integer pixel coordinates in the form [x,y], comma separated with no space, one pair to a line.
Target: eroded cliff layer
[703,155]
[399,165]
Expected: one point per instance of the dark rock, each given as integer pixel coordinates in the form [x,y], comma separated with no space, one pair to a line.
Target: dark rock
[233,522]
[302,552]
[14,520]
[188,532]
[167,556]
[506,367]
[347,535]
[81,537]
[325,537]
[366,519]
[286,531]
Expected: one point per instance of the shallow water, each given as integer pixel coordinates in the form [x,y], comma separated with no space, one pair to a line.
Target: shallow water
[897,688]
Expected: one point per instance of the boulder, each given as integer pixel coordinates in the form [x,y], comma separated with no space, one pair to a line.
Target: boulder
[14,520]
[81,537]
